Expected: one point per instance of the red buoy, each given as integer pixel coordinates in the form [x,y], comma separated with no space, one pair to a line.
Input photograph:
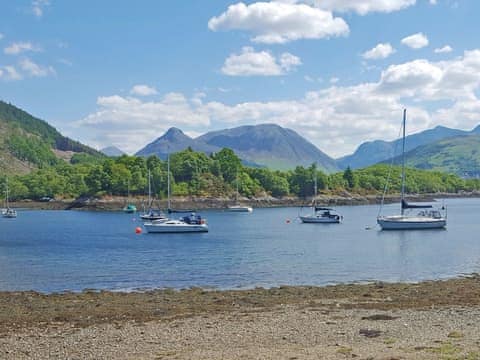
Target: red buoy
[138,230]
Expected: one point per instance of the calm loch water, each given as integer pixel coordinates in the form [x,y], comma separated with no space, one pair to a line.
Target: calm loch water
[52,251]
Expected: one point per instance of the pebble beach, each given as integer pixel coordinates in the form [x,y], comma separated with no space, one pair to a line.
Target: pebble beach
[429,320]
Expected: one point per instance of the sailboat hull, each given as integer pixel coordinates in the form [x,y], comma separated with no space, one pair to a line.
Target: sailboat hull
[239,208]
[174,226]
[318,219]
[410,223]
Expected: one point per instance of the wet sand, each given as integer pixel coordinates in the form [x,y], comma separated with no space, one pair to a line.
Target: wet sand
[430,320]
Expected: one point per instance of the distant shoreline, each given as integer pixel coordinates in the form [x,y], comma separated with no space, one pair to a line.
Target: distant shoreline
[116,203]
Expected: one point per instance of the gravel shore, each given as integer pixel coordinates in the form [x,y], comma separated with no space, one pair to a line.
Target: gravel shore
[431,320]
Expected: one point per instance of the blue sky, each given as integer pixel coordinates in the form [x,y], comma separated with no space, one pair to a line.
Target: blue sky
[338,72]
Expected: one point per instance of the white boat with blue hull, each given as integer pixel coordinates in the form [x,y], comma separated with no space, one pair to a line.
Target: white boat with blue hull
[424,219]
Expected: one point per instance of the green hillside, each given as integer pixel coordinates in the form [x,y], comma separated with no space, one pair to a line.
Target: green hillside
[27,143]
[458,155]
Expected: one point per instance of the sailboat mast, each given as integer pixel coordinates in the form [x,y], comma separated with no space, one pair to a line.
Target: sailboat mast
[315,189]
[236,194]
[149,189]
[168,181]
[403,161]
[6,193]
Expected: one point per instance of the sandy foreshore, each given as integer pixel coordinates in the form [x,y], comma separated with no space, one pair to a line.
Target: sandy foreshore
[430,320]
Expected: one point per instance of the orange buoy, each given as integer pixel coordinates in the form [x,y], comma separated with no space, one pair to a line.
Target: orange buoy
[138,230]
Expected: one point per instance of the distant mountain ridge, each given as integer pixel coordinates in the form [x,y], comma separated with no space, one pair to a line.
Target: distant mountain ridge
[174,140]
[457,155]
[373,152]
[112,151]
[265,145]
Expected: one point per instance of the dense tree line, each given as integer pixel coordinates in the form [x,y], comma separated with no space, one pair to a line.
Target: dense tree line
[196,174]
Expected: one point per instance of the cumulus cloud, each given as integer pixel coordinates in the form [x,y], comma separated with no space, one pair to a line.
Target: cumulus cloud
[32,69]
[143,90]
[38,6]
[364,7]
[9,73]
[443,50]
[20,47]
[262,63]
[381,51]
[415,41]
[277,22]
[336,119]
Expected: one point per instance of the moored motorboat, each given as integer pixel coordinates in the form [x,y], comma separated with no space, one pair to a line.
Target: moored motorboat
[239,208]
[9,213]
[186,224]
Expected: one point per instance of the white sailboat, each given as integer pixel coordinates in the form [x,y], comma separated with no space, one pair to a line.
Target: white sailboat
[192,223]
[8,212]
[152,214]
[237,207]
[424,219]
[320,215]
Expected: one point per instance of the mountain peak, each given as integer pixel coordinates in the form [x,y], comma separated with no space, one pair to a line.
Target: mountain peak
[112,151]
[174,133]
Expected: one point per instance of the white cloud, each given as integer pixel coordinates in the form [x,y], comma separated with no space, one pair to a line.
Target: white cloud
[65,62]
[143,90]
[19,47]
[364,7]
[433,2]
[308,78]
[334,80]
[442,50]
[30,68]
[415,41]
[38,7]
[132,123]
[9,72]
[381,51]
[336,119]
[1,36]
[262,63]
[276,22]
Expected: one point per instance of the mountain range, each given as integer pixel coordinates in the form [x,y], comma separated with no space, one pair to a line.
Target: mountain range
[266,145]
[372,152]
[112,151]
[458,154]
[27,142]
